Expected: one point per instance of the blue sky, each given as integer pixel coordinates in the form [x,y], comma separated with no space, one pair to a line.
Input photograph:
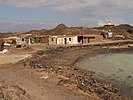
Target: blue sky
[18,15]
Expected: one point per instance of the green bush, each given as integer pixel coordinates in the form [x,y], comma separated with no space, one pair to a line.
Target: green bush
[40,50]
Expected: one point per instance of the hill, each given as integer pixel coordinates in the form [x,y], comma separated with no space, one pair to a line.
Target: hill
[123,29]
[61,29]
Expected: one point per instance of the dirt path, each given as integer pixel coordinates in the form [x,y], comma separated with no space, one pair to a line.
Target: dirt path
[6,59]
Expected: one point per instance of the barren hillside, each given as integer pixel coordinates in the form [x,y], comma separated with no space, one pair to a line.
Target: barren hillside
[61,29]
[123,29]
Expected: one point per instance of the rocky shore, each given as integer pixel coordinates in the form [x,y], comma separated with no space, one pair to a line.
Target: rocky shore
[60,62]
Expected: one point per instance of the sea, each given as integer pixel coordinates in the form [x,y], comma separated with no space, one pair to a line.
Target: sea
[113,68]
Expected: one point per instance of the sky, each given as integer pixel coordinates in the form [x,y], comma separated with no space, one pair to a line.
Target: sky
[25,15]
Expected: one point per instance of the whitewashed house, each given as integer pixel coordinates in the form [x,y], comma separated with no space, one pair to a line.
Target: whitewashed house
[74,39]
[60,40]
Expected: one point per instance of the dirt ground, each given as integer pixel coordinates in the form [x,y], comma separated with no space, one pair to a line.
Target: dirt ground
[49,76]
[19,82]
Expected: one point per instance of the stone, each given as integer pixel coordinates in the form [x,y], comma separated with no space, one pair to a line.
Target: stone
[1,95]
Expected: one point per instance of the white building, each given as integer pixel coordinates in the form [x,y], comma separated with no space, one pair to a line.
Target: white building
[74,39]
[60,40]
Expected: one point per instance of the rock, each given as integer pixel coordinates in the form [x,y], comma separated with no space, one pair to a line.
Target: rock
[91,90]
[105,97]
[129,76]
[44,77]
[20,90]
[61,82]
[100,90]
[82,87]
[1,95]
[72,78]
[7,97]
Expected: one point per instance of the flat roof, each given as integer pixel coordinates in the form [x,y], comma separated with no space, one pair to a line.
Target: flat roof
[86,35]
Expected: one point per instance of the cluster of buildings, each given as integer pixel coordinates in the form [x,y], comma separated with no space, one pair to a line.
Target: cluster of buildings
[24,39]
[61,37]
[64,36]
[74,39]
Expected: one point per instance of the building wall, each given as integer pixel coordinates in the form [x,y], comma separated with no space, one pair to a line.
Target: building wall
[110,35]
[20,40]
[45,39]
[63,40]
[70,40]
[60,40]
[75,40]
[86,40]
[97,38]
[1,45]
[53,40]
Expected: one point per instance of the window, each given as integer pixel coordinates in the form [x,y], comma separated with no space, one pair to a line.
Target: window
[85,37]
[91,37]
[70,39]
[23,39]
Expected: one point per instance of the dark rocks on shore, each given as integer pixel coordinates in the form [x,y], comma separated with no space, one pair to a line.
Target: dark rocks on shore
[82,78]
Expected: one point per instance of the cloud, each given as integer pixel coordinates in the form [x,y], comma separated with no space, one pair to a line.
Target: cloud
[89,19]
[22,25]
[32,3]
[87,7]
[114,21]
[101,23]
[21,3]
[73,5]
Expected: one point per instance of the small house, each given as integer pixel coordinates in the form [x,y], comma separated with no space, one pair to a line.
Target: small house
[77,39]
[40,39]
[110,34]
[84,39]
[60,40]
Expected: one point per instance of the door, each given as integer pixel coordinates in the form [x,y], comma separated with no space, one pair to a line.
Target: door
[35,40]
[65,40]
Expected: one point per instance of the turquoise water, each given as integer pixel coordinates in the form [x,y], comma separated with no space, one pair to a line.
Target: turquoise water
[114,68]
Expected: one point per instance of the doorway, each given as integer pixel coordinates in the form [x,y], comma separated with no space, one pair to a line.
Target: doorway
[65,40]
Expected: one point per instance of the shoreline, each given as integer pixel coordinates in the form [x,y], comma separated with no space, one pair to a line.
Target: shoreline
[123,83]
[61,60]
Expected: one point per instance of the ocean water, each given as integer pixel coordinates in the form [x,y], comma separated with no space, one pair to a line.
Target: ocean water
[114,68]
